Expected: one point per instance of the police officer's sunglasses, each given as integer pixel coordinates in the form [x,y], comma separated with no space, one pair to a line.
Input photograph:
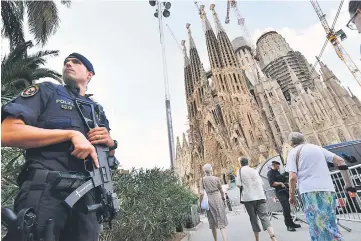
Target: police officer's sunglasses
[351,23]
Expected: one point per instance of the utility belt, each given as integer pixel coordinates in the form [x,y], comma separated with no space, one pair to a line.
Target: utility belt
[58,180]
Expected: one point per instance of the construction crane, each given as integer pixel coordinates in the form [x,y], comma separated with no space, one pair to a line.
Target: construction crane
[240,21]
[332,37]
[175,39]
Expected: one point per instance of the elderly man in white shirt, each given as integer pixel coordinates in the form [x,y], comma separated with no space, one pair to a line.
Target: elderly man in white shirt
[253,198]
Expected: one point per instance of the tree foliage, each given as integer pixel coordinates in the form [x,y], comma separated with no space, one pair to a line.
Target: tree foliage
[42,17]
[19,69]
[12,159]
[153,204]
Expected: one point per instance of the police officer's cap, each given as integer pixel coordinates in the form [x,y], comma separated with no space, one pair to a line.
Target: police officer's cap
[84,60]
[276,162]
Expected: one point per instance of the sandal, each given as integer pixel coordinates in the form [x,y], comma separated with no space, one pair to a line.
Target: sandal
[273,237]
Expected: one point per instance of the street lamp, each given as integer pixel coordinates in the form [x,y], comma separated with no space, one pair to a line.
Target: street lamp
[163,8]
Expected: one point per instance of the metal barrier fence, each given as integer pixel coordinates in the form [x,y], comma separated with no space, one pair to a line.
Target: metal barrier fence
[348,204]
[274,206]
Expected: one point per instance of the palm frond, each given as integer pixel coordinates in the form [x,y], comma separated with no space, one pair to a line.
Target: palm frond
[16,54]
[19,70]
[12,15]
[43,19]
[46,73]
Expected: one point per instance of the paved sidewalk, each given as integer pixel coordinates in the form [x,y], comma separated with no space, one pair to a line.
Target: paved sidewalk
[239,229]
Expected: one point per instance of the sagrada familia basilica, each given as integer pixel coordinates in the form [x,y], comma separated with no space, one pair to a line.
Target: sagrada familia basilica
[248,105]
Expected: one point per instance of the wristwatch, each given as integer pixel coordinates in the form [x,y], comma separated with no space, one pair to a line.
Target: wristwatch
[114,147]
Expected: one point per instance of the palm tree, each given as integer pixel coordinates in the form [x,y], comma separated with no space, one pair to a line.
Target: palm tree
[19,70]
[42,16]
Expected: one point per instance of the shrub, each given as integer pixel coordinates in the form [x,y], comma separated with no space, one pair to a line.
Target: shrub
[153,205]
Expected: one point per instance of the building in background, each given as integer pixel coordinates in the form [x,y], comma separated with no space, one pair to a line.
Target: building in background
[249,107]
[276,56]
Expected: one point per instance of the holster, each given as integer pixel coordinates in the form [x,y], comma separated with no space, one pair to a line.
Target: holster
[23,228]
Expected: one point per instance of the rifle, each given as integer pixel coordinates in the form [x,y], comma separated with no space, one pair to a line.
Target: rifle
[21,227]
[100,178]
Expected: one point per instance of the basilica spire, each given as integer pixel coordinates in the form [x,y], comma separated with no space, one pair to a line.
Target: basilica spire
[326,72]
[211,41]
[219,27]
[296,81]
[188,84]
[225,46]
[195,60]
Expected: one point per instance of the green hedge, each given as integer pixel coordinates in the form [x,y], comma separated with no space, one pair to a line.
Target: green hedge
[153,202]
[153,205]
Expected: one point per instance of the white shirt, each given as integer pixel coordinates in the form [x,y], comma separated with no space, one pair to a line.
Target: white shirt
[313,174]
[252,184]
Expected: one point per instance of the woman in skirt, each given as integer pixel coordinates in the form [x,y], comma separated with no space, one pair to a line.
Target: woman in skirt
[217,211]
[307,165]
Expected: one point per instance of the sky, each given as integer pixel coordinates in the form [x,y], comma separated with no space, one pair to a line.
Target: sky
[121,39]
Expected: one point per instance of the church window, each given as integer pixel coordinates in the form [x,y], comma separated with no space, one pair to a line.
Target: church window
[235,78]
[220,114]
[271,111]
[251,134]
[239,134]
[210,127]
[238,88]
[215,117]
[277,127]
[270,94]
[235,141]
[250,120]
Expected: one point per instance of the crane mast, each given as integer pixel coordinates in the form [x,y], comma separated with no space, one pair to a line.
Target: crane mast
[240,21]
[333,39]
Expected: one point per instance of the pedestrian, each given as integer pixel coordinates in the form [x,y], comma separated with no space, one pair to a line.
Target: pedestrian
[216,214]
[279,182]
[354,9]
[43,120]
[307,164]
[253,198]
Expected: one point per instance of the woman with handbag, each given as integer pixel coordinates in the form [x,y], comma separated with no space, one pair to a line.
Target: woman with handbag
[212,200]
[306,164]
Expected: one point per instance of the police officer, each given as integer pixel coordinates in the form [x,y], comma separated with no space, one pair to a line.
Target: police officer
[354,9]
[44,121]
[277,181]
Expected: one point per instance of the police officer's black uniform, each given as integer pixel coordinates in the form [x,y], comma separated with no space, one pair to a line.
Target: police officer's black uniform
[50,106]
[282,194]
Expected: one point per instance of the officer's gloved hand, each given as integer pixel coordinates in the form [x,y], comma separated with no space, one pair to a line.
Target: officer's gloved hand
[83,148]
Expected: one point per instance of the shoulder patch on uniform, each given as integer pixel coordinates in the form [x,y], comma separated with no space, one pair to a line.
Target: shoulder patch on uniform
[30,91]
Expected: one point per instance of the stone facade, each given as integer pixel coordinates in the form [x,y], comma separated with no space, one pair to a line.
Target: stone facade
[242,111]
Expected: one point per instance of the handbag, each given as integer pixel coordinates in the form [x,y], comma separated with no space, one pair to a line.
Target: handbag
[204,203]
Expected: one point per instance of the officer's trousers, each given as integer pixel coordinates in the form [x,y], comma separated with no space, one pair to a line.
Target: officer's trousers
[283,197]
[70,224]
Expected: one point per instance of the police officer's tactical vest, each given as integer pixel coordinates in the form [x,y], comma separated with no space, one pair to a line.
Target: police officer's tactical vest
[59,112]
